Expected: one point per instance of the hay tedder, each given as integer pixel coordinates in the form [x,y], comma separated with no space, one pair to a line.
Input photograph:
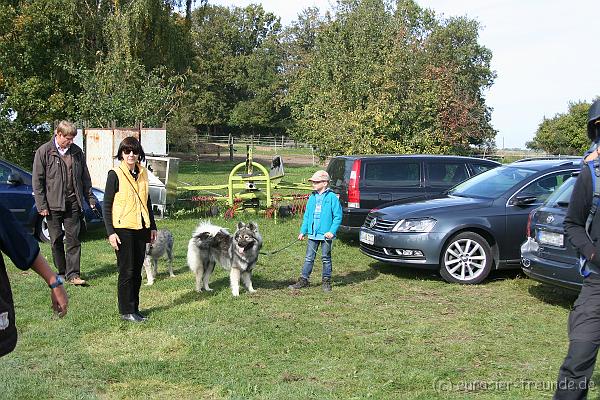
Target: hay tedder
[250,187]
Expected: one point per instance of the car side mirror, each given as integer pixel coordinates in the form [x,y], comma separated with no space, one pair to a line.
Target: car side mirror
[524,200]
[15,179]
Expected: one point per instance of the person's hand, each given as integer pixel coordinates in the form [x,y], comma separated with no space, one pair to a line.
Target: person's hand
[152,236]
[44,213]
[60,300]
[301,236]
[114,241]
[328,235]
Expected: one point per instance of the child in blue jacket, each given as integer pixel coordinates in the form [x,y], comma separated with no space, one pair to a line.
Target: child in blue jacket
[321,220]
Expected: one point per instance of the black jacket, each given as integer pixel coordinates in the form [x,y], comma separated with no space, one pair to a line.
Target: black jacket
[577,214]
[22,249]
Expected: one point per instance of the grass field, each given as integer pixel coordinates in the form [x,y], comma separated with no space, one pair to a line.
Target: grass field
[383,333]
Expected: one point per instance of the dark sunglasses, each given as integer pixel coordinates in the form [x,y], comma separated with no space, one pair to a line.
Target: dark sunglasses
[127,150]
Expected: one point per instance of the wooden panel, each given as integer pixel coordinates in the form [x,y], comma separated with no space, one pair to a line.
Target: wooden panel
[99,150]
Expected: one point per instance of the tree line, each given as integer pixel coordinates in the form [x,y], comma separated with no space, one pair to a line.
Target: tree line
[370,76]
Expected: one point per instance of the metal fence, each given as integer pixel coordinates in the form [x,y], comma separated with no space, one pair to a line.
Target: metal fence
[254,140]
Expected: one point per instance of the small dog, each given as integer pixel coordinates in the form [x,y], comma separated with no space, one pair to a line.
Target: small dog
[163,245]
[236,253]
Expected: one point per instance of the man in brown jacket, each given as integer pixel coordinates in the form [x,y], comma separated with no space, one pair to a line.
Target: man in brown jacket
[61,182]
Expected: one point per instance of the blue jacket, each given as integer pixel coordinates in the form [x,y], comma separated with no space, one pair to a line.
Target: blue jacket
[331,215]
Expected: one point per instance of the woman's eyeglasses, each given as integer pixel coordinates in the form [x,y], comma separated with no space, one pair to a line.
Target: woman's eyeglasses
[130,151]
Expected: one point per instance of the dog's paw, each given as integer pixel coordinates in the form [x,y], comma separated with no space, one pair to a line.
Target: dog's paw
[251,290]
[235,294]
[208,289]
[149,283]
[172,275]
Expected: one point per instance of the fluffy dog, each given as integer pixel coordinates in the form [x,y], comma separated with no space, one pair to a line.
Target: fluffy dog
[163,245]
[236,253]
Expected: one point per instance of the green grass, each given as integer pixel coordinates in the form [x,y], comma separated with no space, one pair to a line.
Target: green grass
[383,333]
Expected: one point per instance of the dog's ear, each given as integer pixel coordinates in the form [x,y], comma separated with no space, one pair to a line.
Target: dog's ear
[203,236]
[253,226]
[240,225]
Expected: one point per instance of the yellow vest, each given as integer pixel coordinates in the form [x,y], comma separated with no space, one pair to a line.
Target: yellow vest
[130,203]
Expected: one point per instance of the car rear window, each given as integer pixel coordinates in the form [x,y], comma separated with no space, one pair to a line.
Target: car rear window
[492,183]
[446,173]
[392,174]
[479,168]
[339,171]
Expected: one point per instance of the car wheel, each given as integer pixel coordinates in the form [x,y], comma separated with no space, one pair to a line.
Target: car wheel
[467,259]
[41,230]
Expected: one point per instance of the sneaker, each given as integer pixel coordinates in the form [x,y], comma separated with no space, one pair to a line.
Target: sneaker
[142,316]
[326,284]
[77,281]
[302,282]
[132,318]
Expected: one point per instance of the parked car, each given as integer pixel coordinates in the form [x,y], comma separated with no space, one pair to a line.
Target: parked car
[547,255]
[475,227]
[365,182]
[16,194]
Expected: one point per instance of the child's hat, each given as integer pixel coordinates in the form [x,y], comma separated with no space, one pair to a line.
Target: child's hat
[319,176]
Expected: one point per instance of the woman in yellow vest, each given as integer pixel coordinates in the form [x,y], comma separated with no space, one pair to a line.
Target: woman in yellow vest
[129,223]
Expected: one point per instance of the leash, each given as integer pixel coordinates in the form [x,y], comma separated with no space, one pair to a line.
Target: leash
[270,253]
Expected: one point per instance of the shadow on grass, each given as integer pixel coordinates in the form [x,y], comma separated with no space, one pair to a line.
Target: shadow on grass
[433,275]
[554,295]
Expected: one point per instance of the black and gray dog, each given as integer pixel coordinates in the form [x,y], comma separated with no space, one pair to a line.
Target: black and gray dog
[236,253]
[163,245]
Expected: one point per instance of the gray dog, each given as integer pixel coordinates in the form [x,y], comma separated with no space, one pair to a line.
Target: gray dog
[163,245]
[236,253]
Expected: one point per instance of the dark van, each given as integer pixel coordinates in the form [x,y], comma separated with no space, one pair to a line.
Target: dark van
[366,182]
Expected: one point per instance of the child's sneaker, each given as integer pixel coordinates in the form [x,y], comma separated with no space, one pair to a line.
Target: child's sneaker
[302,282]
[326,284]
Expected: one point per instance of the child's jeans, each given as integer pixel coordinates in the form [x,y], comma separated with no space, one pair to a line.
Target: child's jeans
[311,252]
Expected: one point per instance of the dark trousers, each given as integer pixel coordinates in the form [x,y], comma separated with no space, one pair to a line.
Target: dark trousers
[67,263]
[584,341]
[130,258]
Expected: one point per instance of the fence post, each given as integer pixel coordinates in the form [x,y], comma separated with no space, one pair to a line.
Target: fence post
[230,147]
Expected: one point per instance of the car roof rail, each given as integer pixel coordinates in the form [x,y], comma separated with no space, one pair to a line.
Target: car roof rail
[559,157]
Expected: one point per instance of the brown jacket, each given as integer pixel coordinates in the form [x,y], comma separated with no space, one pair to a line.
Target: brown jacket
[49,178]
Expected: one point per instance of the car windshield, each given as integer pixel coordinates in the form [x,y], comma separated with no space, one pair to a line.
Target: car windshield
[562,195]
[492,183]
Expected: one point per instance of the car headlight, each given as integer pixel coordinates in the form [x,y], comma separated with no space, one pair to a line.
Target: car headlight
[415,225]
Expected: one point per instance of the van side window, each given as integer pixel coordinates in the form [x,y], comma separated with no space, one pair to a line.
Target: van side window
[479,168]
[446,173]
[386,174]
[542,188]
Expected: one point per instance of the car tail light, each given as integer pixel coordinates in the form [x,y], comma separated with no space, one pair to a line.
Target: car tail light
[353,190]
[528,229]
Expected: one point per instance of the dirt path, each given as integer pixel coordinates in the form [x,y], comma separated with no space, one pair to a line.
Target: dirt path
[293,160]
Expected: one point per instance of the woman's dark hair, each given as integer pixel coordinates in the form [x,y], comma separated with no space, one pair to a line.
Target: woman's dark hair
[128,144]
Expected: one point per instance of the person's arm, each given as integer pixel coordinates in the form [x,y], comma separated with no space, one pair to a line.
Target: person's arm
[38,181]
[577,214]
[336,209]
[153,231]
[86,180]
[111,188]
[58,294]
[24,252]
[305,219]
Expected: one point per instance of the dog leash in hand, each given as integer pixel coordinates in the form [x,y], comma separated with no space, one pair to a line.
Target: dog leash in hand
[270,253]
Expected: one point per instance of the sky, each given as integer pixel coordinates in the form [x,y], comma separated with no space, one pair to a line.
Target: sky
[543,54]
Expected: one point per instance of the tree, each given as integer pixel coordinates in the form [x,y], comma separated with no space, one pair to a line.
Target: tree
[389,77]
[235,77]
[565,133]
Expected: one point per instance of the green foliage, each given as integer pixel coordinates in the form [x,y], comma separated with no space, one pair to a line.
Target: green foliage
[565,133]
[121,90]
[386,78]
[235,77]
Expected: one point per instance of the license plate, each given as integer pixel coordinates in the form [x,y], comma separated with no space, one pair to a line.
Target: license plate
[367,238]
[551,238]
